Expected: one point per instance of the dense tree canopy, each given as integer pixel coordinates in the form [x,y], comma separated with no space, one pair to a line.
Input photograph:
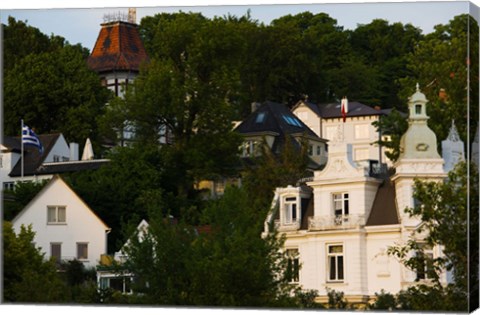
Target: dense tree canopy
[47,84]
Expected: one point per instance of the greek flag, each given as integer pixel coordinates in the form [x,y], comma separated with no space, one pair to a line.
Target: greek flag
[30,138]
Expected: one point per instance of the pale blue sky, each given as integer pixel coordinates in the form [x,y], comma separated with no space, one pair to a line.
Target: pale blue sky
[79,22]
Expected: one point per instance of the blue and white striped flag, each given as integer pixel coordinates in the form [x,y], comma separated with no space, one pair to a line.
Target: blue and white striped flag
[30,138]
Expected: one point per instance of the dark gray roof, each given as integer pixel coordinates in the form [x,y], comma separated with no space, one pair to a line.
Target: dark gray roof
[276,118]
[33,159]
[355,109]
[384,209]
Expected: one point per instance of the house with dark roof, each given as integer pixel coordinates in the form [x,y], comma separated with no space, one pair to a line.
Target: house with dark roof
[354,124]
[58,157]
[272,124]
[339,225]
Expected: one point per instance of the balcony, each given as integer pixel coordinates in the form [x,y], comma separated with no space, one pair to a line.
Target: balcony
[287,227]
[340,222]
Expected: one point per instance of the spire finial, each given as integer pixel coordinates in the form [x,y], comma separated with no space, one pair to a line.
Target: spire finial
[418,87]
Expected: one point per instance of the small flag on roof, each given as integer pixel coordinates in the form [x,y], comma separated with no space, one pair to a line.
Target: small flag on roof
[344,108]
[30,138]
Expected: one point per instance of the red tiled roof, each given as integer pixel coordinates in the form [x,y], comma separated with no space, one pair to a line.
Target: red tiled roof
[118,47]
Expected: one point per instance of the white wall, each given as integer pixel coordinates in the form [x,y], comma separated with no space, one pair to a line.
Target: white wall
[81,224]
[59,149]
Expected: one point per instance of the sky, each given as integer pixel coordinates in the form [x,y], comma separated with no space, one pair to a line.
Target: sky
[79,21]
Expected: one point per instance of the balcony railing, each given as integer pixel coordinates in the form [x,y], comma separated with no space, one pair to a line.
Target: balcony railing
[339,222]
[286,227]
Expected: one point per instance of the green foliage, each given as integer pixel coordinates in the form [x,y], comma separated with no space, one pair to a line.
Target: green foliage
[14,201]
[336,300]
[449,213]
[50,86]
[26,276]
[393,127]
[229,266]
[271,170]
[442,61]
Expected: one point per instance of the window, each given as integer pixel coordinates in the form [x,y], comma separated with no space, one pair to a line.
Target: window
[8,185]
[310,150]
[293,266]
[56,158]
[331,132]
[56,251]
[290,210]
[292,121]
[319,150]
[1,160]
[340,207]
[362,131]
[335,263]
[82,251]
[260,118]
[249,148]
[425,269]
[418,109]
[56,215]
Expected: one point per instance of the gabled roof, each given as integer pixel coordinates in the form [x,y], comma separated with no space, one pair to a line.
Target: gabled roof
[384,209]
[274,118]
[34,161]
[118,48]
[58,180]
[33,158]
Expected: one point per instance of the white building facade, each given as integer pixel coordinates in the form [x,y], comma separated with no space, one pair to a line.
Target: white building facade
[65,227]
[339,226]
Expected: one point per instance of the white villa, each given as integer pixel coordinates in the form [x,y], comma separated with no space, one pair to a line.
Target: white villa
[339,225]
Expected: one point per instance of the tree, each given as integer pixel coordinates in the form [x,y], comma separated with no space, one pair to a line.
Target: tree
[442,60]
[391,127]
[231,265]
[16,200]
[27,277]
[384,48]
[49,86]
[449,213]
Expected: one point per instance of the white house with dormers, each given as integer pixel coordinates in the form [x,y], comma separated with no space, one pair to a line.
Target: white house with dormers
[65,227]
[355,128]
[339,225]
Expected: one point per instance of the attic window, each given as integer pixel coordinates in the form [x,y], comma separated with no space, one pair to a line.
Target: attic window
[418,109]
[292,121]
[260,117]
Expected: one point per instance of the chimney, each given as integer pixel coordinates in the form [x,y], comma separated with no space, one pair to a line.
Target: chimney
[377,107]
[255,106]
[73,151]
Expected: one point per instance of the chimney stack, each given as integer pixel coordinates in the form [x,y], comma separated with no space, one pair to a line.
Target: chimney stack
[255,106]
[74,151]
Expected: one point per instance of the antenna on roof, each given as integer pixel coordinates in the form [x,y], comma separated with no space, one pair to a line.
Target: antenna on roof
[132,15]
[116,17]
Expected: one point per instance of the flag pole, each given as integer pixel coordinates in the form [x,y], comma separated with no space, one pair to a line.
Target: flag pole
[22,156]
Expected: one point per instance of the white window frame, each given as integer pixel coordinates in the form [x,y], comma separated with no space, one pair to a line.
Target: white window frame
[338,258]
[80,255]
[293,256]
[362,131]
[340,214]
[428,253]
[56,219]
[290,210]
